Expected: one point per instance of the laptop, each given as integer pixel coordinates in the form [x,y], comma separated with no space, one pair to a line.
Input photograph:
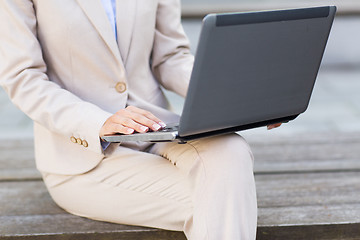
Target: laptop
[251,69]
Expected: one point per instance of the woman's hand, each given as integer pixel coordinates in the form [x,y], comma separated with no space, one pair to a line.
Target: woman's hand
[129,120]
[269,127]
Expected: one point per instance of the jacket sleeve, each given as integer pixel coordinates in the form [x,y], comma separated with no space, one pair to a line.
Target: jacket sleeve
[172,61]
[23,76]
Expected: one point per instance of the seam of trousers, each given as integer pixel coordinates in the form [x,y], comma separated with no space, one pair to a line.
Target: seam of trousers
[203,189]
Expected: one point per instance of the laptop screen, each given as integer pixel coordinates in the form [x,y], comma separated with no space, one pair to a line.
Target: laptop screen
[254,67]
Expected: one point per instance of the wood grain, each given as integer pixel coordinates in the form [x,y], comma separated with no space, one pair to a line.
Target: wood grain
[308,187]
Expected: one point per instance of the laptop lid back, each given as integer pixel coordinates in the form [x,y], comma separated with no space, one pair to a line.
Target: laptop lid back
[254,68]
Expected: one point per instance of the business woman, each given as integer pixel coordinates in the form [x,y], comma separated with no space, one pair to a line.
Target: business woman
[82,69]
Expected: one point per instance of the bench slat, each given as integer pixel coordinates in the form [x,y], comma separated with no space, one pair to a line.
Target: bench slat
[66,226]
[318,232]
[309,153]
[61,224]
[308,189]
[17,160]
[26,198]
[310,215]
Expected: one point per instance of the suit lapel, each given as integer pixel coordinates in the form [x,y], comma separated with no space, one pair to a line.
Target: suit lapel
[94,11]
[125,17]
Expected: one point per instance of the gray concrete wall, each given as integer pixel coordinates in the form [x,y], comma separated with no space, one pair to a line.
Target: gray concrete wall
[193,8]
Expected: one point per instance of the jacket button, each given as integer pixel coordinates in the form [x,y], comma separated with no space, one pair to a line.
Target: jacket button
[120,87]
[73,139]
[85,143]
[79,141]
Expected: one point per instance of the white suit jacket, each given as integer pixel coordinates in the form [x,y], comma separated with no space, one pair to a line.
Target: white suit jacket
[61,65]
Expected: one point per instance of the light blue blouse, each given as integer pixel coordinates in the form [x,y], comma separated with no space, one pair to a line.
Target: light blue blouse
[110,9]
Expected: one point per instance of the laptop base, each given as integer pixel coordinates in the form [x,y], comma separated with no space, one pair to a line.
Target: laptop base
[172,135]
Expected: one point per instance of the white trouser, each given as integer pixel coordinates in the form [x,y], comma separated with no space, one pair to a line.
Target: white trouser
[205,188]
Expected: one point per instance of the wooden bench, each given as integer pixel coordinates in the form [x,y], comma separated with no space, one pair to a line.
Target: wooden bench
[308,188]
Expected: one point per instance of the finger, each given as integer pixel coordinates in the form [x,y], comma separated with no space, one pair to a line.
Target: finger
[113,128]
[124,118]
[142,117]
[147,114]
[130,123]
[271,126]
[143,120]
[118,128]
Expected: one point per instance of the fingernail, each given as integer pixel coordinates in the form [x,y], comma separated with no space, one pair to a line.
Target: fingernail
[269,128]
[156,126]
[144,129]
[130,131]
[162,124]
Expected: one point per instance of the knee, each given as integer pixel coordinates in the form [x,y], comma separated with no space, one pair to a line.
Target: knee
[237,154]
[227,154]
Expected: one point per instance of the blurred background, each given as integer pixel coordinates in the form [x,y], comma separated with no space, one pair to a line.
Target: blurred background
[335,103]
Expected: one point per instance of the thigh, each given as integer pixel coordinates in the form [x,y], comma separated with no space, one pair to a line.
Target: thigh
[224,152]
[129,187]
